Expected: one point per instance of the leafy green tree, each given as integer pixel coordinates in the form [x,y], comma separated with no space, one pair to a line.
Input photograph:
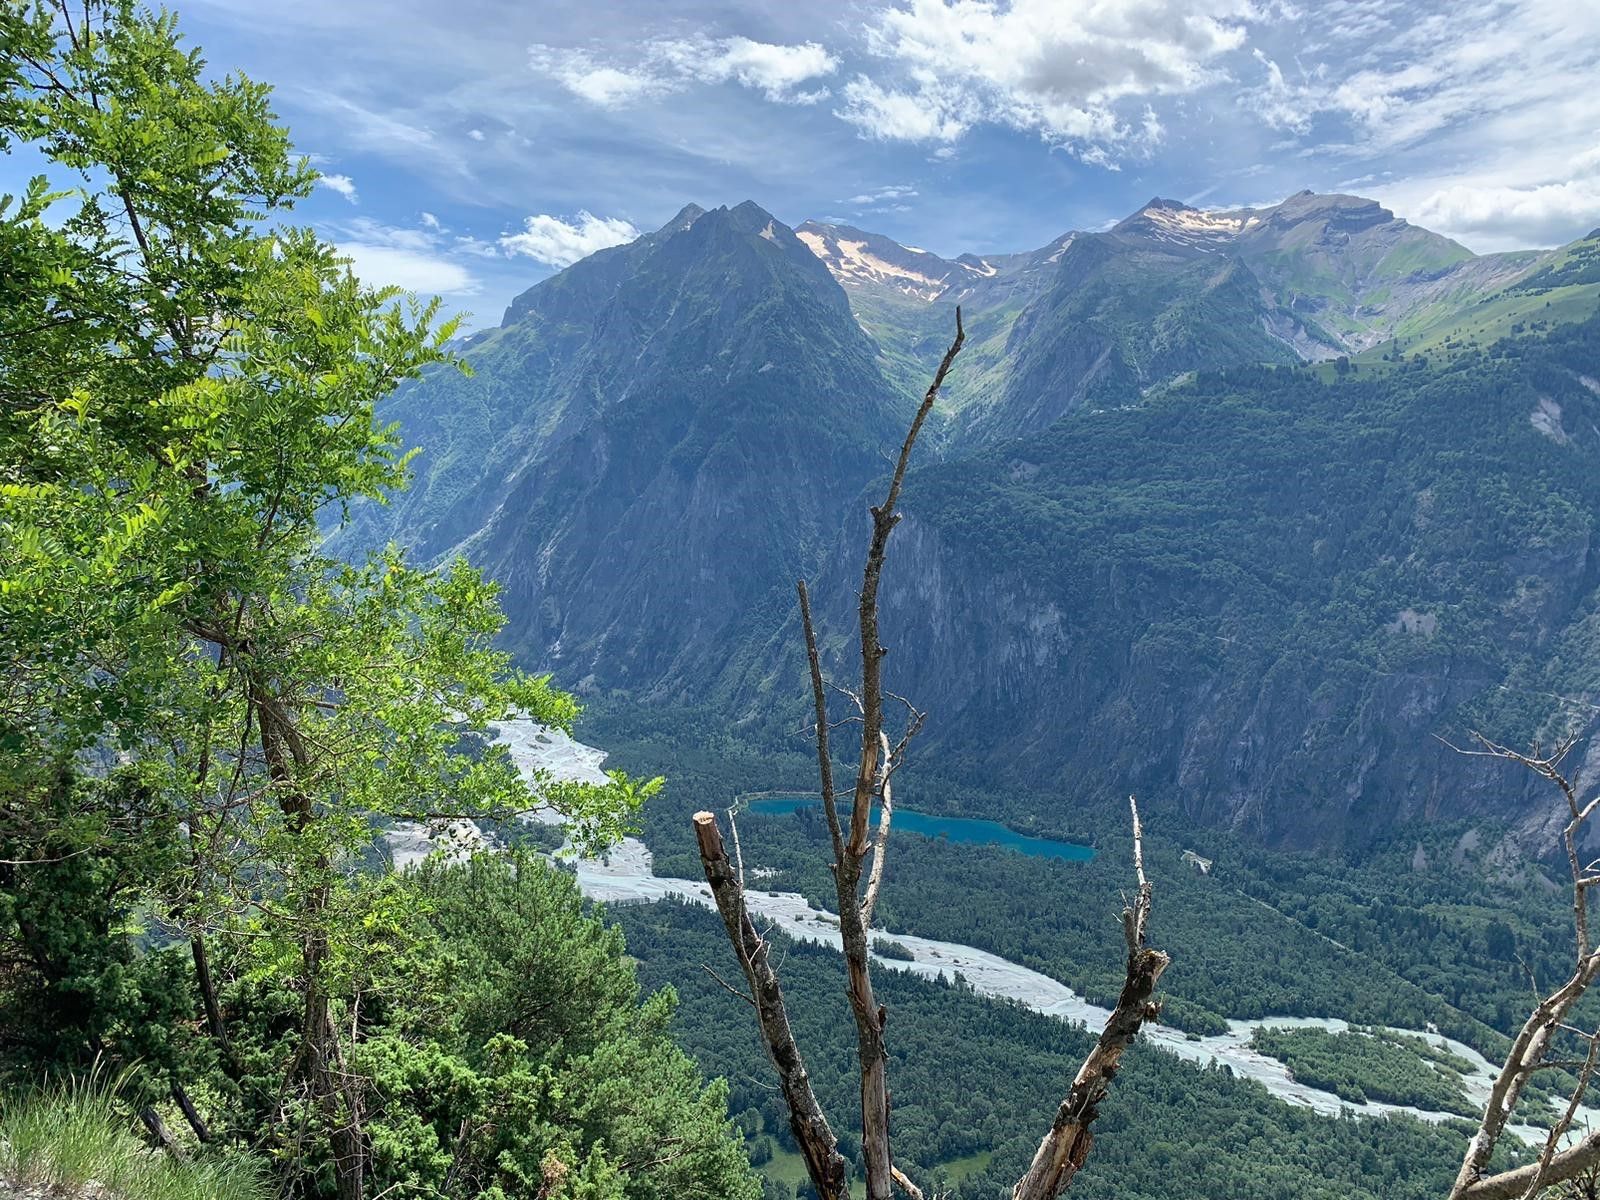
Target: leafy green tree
[188,391]
[528,1064]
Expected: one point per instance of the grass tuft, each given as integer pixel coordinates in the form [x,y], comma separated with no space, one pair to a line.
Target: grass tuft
[71,1137]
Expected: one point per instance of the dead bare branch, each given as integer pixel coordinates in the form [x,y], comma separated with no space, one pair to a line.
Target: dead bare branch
[819,698]
[881,845]
[1558,1131]
[818,1145]
[1530,1049]
[728,987]
[1066,1146]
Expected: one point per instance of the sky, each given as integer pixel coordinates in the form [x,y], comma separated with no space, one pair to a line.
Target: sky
[471,148]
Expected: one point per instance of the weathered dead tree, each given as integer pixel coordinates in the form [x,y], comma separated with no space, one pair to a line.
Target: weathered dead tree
[856,841]
[1535,1046]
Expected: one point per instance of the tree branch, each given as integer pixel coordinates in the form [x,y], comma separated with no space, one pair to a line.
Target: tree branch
[819,697]
[1067,1144]
[1528,1052]
[880,848]
[812,1134]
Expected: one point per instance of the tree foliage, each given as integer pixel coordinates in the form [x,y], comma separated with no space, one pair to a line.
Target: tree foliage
[188,397]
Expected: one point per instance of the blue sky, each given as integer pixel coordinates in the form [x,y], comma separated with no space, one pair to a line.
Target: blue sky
[472,147]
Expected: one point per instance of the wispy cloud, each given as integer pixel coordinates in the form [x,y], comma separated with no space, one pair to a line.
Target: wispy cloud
[1480,121]
[897,191]
[418,260]
[668,65]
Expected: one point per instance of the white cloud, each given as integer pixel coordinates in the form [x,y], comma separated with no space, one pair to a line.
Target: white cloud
[429,221]
[898,191]
[1474,120]
[1059,69]
[1539,216]
[476,135]
[415,271]
[559,243]
[414,259]
[342,184]
[903,116]
[776,71]
[599,84]
[670,65]
[1399,76]
[1277,102]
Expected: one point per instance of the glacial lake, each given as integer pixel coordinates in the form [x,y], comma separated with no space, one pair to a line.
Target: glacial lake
[962,830]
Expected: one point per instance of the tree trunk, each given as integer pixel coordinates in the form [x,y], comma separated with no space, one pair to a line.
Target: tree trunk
[818,1145]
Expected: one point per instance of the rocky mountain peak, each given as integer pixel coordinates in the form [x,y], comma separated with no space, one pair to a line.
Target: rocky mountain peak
[1180,225]
[687,216]
[858,259]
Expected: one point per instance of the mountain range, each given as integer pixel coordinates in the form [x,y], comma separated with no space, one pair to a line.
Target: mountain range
[1238,507]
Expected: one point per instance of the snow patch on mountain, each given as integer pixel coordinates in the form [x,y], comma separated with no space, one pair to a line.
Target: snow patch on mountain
[857,259]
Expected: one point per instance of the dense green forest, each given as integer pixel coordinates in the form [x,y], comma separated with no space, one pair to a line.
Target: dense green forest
[975,1077]
[1361,1066]
[1383,938]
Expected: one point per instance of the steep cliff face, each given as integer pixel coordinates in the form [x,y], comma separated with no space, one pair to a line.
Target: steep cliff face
[1256,593]
[649,447]
[1262,600]
[1034,692]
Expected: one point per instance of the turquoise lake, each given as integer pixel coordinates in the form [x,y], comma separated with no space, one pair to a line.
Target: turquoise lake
[962,830]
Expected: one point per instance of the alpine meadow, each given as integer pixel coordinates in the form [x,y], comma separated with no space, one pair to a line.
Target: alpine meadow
[528,675]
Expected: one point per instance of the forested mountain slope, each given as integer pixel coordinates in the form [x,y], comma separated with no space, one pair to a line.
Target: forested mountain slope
[1253,588]
[649,447]
[1258,597]
[1170,289]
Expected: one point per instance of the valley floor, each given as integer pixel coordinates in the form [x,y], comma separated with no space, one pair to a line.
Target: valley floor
[625,876]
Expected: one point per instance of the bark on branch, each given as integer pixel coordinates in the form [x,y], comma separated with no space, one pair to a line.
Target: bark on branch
[1530,1050]
[1065,1147]
[818,1145]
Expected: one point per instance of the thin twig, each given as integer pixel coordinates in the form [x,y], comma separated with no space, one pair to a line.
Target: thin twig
[728,987]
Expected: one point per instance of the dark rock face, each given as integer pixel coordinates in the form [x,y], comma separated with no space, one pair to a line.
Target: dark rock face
[1274,745]
[1237,604]
[659,437]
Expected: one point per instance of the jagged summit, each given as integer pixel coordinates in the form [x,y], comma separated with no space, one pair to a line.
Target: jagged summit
[687,216]
[859,259]
[1177,224]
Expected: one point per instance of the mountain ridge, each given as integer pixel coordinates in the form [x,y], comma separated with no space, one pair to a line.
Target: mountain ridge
[661,438]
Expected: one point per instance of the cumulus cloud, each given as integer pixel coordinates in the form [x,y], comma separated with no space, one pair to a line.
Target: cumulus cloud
[776,71]
[1062,70]
[558,243]
[669,65]
[1541,215]
[342,184]
[599,83]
